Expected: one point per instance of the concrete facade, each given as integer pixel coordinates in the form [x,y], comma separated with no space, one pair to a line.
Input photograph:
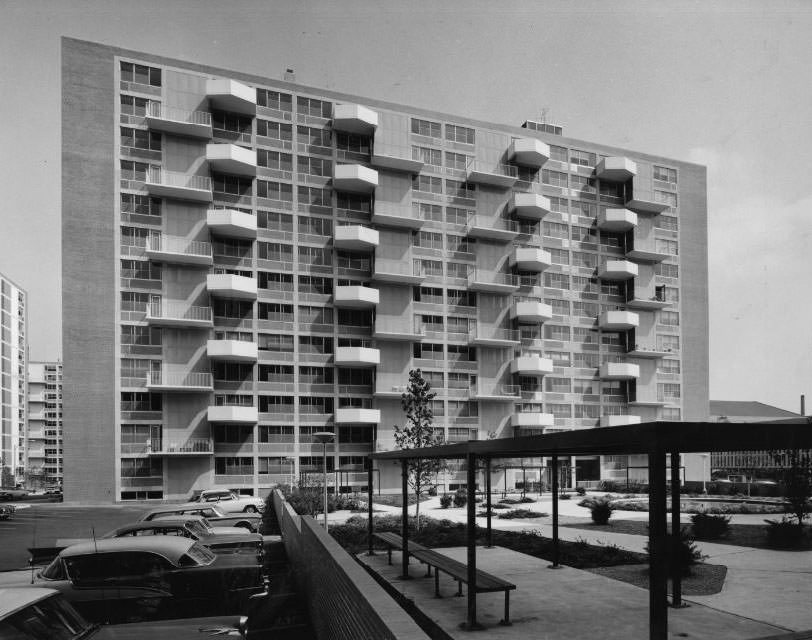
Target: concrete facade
[44,444]
[13,375]
[249,261]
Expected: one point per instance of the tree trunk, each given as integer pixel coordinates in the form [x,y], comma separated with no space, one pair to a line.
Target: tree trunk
[417,512]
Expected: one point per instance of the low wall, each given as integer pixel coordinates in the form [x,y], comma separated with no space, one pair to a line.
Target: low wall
[344,602]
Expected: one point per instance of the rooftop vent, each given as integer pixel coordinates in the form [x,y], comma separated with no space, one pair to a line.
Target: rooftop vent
[290,75]
[543,126]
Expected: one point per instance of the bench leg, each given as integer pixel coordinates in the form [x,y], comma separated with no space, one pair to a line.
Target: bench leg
[428,571]
[506,621]
[389,553]
[437,584]
[459,589]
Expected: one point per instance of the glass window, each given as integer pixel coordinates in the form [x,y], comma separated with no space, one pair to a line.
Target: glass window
[426,128]
[664,174]
[554,178]
[558,153]
[313,107]
[274,100]
[455,133]
[583,158]
[429,184]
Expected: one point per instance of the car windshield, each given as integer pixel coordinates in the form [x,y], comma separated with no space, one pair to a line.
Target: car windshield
[197,529]
[54,571]
[49,619]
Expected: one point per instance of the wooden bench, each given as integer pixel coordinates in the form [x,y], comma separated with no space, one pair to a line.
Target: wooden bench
[485,582]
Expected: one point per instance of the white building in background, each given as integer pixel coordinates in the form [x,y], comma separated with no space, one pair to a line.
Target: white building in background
[44,434]
[13,374]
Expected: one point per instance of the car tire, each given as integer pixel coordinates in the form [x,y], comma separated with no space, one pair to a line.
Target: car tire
[244,525]
[250,509]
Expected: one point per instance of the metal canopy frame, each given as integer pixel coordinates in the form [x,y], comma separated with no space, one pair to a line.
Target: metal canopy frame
[654,439]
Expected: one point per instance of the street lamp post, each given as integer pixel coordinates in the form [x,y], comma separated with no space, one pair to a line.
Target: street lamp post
[324,437]
[705,457]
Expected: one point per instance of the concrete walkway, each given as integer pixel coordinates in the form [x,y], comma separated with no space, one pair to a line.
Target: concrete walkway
[774,587]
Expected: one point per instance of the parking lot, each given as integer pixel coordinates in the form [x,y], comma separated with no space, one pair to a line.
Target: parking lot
[40,525]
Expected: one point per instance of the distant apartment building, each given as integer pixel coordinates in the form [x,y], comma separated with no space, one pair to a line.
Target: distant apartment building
[247,262]
[13,373]
[44,434]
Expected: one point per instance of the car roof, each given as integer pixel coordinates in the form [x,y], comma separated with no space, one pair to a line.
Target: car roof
[171,547]
[172,509]
[178,521]
[12,599]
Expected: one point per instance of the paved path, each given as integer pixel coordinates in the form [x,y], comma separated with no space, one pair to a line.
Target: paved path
[770,586]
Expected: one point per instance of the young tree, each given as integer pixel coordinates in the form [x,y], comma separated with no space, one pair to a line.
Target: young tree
[795,472]
[418,432]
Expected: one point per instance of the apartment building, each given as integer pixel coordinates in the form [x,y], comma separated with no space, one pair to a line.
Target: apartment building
[43,446]
[247,262]
[13,358]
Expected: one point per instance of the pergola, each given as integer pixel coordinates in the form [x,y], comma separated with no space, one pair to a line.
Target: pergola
[655,439]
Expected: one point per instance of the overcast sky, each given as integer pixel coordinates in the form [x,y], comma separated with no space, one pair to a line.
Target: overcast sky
[725,84]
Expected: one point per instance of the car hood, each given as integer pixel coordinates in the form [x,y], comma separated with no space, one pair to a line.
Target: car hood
[182,629]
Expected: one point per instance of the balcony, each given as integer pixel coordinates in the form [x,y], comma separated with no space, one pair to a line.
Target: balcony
[232,96]
[231,286]
[529,152]
[357,415]
[492,281]
[619,371]
[485,336]
[389,214]
[643,248]
[617,220]
[530,206]
[617,270]
[165,313]
[618,320]
[232,159]
[389,391]
[406,271]
[532,420]
[492,228]
[643,201]
[492,174]
[357,357]
[353,118]
[174,250]
[530,259]
[180,186]
[354,178]
[534,311]
[354,237]
[648,352]
[619,421]
[355,297]
[497,392]
[230,223]
[232,350]
[396,158]
[531,365]
[641,300]
[178,122]
[645,398]
[233,414]
[397,330]
[616,169]
[191,448]
[168,381]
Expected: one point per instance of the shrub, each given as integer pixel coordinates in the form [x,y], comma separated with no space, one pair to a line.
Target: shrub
[526,500]
[460,498]
[687,555]
[521,513]
[509,501]
[581,491]
[432,491]
[784,533]
[446,500]
[599,508]
[563,496]
[710,527]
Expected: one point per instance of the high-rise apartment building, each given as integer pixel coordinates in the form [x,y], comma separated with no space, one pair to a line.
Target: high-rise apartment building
[43,443]
[13,372]
[248,261]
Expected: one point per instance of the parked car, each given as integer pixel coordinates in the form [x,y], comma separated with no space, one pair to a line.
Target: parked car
[212,512]
[229,501]
[9,493]
[151,577]
[6,511]
[34,613]
[218,539]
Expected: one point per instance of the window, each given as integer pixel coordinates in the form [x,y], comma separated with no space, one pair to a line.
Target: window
[670,413]
[276,251]
[584,234]
[463,408]
[581,259]
[140,401]
[131,170]
[666,270]
[313,107]
[353,202]
[583,158]
[554,178]
[315,256]
[315,285]
[666,197]
[586,360]
[232,185]
[429,184]
[433,157]
[142,205]
[588,411]
[611,189]
[457,215]
[314,166]
[352,143]
[274,190]
[313,137]
[235,309]
[582,184]
[427,240]
[556,332]
[671,247]
[316,405]
[665,175]
[431,295]
[233,466]
[670,318]
[556,230]
[587,285]
[275,373]
[557,385]
[667,342]
[612,339]
[668,366]
[275,311]
[669,223]
[275,130]
[133,106]
[232,123]
[584,335]
[316,375]
[559,256]
[426,128]
[315,226]
[274,100]
[275,342]
[558,153]
[460,352]
[559,204]
[556,280]
[668,391]
[429,351]
[276,404]
[140,269]
[457,189]
[560,358]
[319,345]
[457,269]
[559,307]
[584,209]
[586,387]
[456,160]
[144,336]
[671,294]
[585,309]
[275,160]
[461,298]
[560,410]
[140,74]
[134,236]
[455,133]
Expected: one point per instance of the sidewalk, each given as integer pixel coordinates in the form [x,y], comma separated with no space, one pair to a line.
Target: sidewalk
[769,586]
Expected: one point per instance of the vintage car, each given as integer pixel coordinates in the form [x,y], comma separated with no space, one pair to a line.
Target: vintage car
[132,579]
[212,512]
[34,613]
[229,501]
[218,539]
[6,511]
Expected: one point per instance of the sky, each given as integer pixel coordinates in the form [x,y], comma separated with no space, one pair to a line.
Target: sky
[724,84]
